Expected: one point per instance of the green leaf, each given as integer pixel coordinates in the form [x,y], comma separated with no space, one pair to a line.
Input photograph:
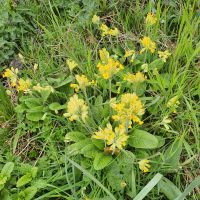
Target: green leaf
[33,102]
[45,94]
[39,183]
[101,161]
[24,180]
[56,106]
[168,189]
[28,193]
[142,139]
[34,116]
[74,136]
[76,147]
[100,144]
[34,172]
[89,151]
[20,108]
[158,63]
[173,153]
[161,141]
[7,169]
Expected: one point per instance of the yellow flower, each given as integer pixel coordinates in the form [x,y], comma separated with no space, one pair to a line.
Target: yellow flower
[129,53]
[76,109]
[39,88]
[71,64]
[135,78]
[173,103]
[104,29]
[110,68]
[123,184]
[148,44]
[107,31]
[144,67]
[23,85]
[164,55]
[150,19]
[83,81]
[12,75]
[165,122]
[104,55]
[95,19]
[129,109]
[75,87]
[115,139]
[144,165]
[113,32]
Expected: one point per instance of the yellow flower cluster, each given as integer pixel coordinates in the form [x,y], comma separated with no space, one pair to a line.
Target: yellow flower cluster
[173,103]
[164,55]
[76,109]
[71,64]
[23,85]
[19,84]
[148,44]
[129,53]
[108,66]
[144,165]
[150,19]
[139,77]
[108,31]
[115,139]
[129,109]
[83,82]
[12,75]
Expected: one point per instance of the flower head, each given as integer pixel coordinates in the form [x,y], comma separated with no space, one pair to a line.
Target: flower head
[144,67]
[110,68]
[144,165]
[115,139]
[12,75]
[150,19]
[23,85]
[129,53]
[139,77]
[173,103]
[104,55]
[83,81]
[71,64]
[113,32]
[148,44]
[95,19]
[129,109]
[76,109]
[164,55]
[108,31]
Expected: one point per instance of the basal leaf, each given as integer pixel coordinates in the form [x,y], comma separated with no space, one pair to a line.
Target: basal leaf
[142,139]
[101,161]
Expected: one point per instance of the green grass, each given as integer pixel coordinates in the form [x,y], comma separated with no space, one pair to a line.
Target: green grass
[64,30]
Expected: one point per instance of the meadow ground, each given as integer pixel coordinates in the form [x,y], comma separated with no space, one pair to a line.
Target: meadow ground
[99,100]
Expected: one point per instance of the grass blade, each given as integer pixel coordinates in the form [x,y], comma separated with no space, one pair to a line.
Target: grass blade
[148,187]
[91,177]
[191,186]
